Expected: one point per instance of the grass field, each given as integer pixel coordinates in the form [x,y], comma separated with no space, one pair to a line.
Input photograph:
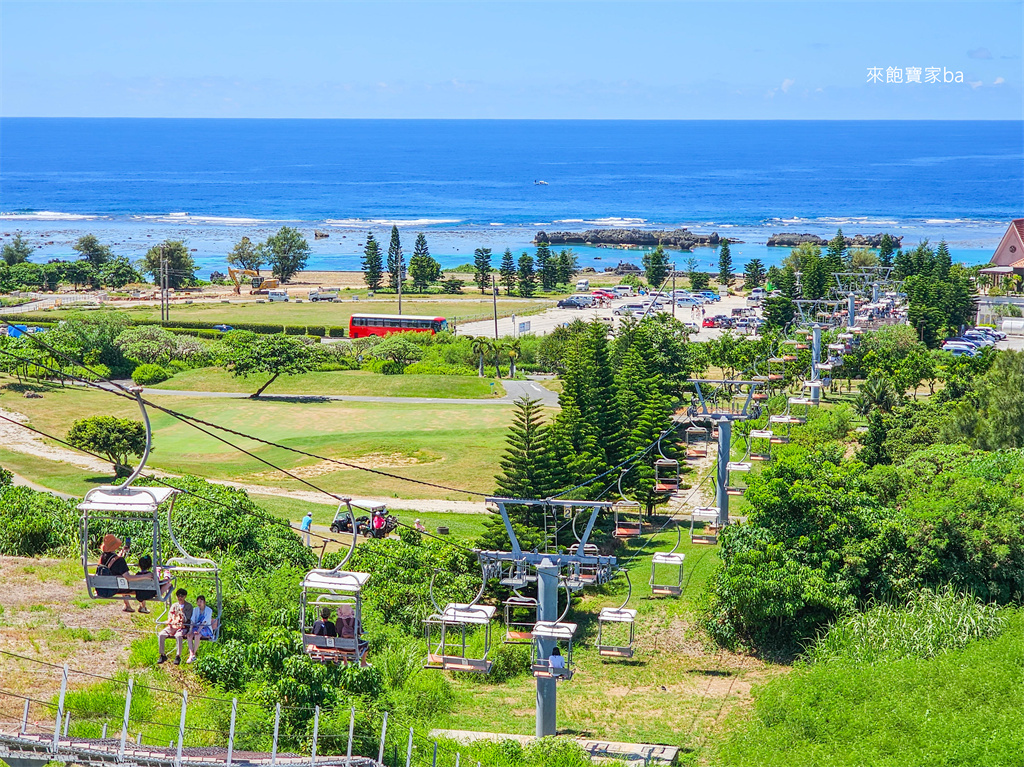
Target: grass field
[350,382]
[323,313]
[455,445]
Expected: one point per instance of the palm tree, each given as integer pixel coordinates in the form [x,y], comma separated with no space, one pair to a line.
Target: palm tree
[481,346]
[513,350]
[877,392]
[1014,280]
[497,347]
[984,281]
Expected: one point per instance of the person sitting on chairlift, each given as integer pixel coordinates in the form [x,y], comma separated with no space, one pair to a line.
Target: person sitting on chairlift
[112,562]
[555,660]
[177,626]
[200,627]
[324,626]
[145,575]
[349,628]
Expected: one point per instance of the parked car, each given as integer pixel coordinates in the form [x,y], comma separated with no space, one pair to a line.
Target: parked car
[223,328]
[693,327]
[571,303]
[627,310]
[277,295]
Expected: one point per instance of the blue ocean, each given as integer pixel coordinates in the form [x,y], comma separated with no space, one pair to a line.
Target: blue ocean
[470,183]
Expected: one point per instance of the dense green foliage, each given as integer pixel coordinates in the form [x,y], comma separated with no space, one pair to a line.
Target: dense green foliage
[117,438]
[286,253]
[181,268]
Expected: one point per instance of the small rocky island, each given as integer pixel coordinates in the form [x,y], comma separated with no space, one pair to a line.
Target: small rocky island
[792,240]
[679,239]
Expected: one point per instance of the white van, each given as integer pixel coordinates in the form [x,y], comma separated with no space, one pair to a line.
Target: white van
[582,285]
[622,291]
[277,295]
[583,299]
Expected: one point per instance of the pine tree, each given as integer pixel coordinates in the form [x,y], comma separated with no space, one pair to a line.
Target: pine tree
[724,264]
[885,251]
[787,282]
[482,264]
[373,265]
[837,247]
[568,266]
[656,267]
[396,260]
[753,273]
[547,267]
[773,278]
[507,270]
[423,268]
[943,261]
[525,468]
[903,265]
[527,277]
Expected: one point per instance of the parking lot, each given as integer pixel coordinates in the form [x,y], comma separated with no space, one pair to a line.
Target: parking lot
[545,322]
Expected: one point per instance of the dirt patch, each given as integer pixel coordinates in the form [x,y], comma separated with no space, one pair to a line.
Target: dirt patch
[368,461]
[14,437]
[48,617]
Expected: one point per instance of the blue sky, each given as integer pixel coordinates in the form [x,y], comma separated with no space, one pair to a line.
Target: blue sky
[624,60]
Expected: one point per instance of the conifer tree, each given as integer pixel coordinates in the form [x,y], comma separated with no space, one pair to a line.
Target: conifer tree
[903,265]
[837,246]
[885,251]
[773,278]
[423,268]
[753,273]
[526,469]
[482,265]
[396,260]
[547,267]
[508,271]
[724,264]
[656,266]
[527,277]
[943,261]
[568,266]
[373,265]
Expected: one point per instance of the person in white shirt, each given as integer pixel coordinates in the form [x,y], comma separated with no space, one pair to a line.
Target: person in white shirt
[201,627]
[556,660]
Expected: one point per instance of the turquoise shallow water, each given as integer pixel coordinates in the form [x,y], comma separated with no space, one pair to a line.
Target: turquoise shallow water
[472,183]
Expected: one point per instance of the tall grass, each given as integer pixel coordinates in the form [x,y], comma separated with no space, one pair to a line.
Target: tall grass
[926,624]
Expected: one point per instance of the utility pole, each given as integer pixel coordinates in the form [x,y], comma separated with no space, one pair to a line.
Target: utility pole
[401,277]
[494,297]
[165,309]
[673,290]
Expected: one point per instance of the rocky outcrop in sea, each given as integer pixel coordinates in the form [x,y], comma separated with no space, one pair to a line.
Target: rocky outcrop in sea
[792,240]
[679,239]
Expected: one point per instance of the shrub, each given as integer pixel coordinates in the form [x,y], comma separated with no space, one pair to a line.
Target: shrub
[295,330]
[336,332]
[439,369]
[34,523]
[259,327]
[391,368]
[316,330]
[148,375]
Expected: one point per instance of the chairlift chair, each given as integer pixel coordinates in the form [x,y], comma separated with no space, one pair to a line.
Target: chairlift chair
[617,616]
[458,618]
[125,507]
[628,518]
[666,472]
[334,589]
[709,516]
[662,587]
[517,575]
[776,369]
[583,574]
[519,627]
[189,567]
[559,632]
[696,442]
[765,436]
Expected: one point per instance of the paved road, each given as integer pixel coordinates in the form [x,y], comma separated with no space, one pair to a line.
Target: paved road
[513,391]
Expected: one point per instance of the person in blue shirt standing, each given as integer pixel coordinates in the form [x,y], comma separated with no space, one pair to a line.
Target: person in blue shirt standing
[307,523]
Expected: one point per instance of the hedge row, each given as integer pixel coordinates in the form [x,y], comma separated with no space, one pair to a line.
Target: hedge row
[181,326]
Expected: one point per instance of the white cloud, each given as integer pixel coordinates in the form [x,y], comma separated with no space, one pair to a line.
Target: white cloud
[998,81]
[787,84]
[976,84]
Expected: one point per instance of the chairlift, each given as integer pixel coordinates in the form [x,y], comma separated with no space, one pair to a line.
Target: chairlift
[205,570]
[764,435]
[666,472]
[668,559]
[124,507]
[337,591]
[708,515]
[776,369]
[520,618]
[696,442]
[458,618]
[617,616]
[517,575]
[559,632]
[628,517]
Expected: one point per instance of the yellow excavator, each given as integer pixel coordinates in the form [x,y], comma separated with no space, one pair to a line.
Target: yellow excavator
[259,284]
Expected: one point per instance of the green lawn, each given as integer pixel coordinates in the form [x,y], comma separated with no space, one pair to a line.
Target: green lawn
[350,382]
[454,445]
[323,313]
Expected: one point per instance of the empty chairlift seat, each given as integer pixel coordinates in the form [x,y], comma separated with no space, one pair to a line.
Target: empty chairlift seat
[696,442]
[616,632]
[628,519]
[666,475]
[708,516]
[447,633]
[760,444]
[663,585]
[520,618]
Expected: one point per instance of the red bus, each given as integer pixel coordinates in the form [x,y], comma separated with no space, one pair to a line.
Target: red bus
[362,325]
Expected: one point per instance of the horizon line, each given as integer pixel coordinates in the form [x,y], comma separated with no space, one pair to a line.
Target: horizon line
[530,119]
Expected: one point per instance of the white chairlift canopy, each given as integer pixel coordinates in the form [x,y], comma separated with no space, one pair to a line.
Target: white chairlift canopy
[616,615]
[132,500]
[738,466]
[705,513]
[761,433]
[457,612]
[664,558]
[554,630]
[329,580]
